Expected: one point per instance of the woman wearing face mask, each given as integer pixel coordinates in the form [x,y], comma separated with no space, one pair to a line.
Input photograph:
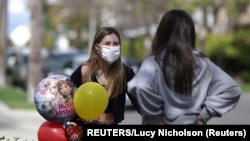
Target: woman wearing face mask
[105,67]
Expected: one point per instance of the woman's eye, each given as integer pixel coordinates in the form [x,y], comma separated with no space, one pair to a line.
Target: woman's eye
[111,44]
[107,43]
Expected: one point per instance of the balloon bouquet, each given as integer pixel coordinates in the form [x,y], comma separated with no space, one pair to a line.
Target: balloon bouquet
[58,101]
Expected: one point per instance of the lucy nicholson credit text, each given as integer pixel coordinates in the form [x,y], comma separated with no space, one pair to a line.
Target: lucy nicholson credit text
[160,131]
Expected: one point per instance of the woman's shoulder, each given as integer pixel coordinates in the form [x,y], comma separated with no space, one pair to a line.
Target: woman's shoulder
[149,68]
[81,68]
[76,76]
[149,64]
[84,67]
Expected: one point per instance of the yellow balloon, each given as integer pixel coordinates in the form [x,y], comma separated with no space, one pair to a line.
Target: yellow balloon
[90,100]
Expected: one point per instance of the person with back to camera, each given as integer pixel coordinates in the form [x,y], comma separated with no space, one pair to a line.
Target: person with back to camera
[105,67]
[178,84]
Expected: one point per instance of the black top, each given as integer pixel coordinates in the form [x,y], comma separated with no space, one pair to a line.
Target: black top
[110,102]
[115,105]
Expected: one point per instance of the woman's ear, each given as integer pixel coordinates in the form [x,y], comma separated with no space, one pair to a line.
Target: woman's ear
[97,47]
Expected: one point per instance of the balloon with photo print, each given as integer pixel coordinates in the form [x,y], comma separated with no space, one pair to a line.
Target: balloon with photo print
[90,100]
[53,98]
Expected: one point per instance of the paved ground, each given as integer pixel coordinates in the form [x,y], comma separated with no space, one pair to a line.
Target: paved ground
[25,124]
[19,123]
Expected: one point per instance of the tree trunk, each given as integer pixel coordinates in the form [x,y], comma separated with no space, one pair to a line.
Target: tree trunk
[3,27]
[35,74]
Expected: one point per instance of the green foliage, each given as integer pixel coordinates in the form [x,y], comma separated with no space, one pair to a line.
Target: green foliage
[139,48]
[125,47]
[231,50]
[221,44]
[236,7]
[220,49]
[245,76]
[134,48]
[189,6]
[242,42]
[245,87]
[15,98]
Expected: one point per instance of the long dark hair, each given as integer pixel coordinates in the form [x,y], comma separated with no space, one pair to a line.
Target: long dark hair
[176,37]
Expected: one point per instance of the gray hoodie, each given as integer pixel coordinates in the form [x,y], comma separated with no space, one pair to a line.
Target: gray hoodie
[214,94]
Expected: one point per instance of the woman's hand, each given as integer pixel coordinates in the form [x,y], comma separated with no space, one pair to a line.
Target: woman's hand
[105,118]
[200,121]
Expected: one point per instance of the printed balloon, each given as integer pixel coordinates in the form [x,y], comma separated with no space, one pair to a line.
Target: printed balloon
[54,98]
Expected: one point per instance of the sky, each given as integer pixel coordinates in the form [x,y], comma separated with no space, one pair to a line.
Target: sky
[18,14]
[18,21]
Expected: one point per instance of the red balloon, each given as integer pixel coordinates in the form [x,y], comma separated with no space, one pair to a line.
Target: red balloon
[51,131]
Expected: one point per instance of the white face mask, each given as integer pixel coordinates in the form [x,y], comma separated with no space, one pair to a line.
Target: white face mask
[110,54]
